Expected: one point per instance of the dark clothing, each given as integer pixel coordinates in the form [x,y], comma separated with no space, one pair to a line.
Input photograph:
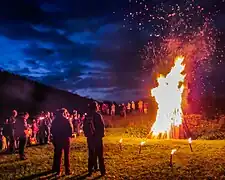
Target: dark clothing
[12,144]
[22,145]
[94,125]
[8,132]
[76,126]
[61,128]
[62,131]
[58,148]
[44,132]
[20,127]
[94,131]
[95,152]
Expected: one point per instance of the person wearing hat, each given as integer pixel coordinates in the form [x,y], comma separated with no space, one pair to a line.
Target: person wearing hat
[62,131]
[94,130]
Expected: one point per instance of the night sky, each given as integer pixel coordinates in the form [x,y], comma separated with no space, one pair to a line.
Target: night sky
[76,45]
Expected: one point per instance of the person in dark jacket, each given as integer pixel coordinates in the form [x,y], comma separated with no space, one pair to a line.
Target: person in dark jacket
[12,121]
[62,131]
[20,133]
[94,130]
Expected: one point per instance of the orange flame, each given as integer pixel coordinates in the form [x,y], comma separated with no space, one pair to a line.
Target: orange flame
[168,96]
[173,151]
[121,140]
[189,141]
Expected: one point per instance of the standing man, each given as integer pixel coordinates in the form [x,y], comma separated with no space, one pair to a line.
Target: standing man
[12,121]
[62,130]
[20,133]
[94,130]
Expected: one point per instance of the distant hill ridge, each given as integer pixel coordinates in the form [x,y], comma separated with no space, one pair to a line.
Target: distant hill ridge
[18,92]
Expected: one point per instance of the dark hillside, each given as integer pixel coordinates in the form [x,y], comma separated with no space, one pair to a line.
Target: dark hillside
[20,93]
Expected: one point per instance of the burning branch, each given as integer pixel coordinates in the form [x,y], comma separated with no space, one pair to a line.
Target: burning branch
[120,143]
[171,157]
[190,141]
[142,143]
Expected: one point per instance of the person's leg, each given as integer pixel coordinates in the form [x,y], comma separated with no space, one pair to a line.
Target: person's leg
[54,158]
[46,136]
[67,156]
[95,161]
[99,153]
[12,144]
[91,152]
[41,137]
[57,158]
[22,144]
[35,137]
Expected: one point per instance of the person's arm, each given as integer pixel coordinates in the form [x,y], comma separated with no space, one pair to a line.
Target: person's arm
[102,124]
[102,121]
[70,128]
[25,124]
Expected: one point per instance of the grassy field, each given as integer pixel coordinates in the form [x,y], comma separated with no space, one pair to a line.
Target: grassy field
[206,162]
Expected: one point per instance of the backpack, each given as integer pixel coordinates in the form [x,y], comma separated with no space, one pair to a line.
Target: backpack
[88,126]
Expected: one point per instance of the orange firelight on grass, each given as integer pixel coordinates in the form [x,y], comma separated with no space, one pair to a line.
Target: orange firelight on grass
[168,95]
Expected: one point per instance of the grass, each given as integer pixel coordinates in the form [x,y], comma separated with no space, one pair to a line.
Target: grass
[206,162]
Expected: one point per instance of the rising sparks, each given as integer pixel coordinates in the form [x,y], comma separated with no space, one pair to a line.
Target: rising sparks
[186,28]
[168,95]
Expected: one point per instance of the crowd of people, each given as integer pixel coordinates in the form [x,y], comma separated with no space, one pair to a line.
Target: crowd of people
[36,130]
[124,109]
[19,130]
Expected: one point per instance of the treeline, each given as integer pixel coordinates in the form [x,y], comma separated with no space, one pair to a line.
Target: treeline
[25,95]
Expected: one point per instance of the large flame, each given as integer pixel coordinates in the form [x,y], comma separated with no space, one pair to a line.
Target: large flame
[168,96]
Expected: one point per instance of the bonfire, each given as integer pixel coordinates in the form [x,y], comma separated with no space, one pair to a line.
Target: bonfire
[168,95]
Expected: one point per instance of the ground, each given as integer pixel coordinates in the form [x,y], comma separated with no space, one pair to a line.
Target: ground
[206,162]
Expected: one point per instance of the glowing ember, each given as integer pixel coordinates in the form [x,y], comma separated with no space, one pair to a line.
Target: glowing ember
[121,140]
[189,141]
[142,143]
[168,95]
[173,151]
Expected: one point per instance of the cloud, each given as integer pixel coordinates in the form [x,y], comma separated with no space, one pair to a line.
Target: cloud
[79,46]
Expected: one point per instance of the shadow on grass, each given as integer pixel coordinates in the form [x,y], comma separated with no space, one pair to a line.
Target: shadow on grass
[98,177]
[81,176]
[5,152]
[47,174]
[9,161]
